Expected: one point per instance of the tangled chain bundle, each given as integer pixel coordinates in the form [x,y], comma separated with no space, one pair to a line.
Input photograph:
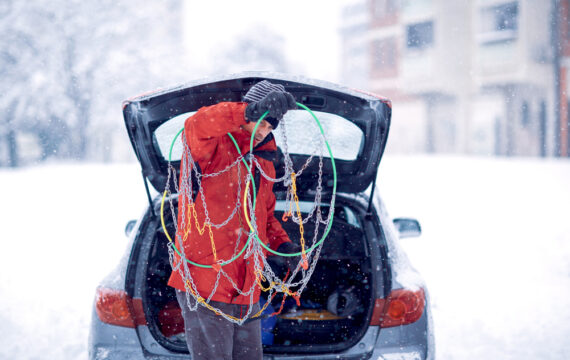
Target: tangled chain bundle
[293,283]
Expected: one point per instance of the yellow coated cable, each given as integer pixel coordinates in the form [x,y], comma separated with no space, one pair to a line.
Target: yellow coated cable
[245,205]
[162,216]
[301,229]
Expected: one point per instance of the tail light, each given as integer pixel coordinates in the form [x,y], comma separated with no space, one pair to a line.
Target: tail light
[115,307]
[401,307]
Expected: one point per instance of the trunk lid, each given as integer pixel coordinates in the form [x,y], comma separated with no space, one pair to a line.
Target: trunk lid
[355,124]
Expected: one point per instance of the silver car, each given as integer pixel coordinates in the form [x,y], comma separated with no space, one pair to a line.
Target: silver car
[363,301]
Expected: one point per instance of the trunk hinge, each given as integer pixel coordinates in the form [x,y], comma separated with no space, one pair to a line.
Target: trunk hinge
[148,195]
[372,192]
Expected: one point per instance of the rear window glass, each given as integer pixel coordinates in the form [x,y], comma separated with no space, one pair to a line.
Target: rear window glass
[164,136]
[301,130]
[304,136]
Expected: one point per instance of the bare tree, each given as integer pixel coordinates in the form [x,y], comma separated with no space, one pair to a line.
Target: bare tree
[20,50]
[67,65]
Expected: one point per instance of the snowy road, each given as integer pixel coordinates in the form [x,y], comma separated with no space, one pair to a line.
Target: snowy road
[495,251]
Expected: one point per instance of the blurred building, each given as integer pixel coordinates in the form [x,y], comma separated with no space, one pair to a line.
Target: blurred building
[479,77]
[355,59]
[561,38]
[513,78]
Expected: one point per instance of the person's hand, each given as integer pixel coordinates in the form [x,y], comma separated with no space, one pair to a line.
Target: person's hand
[276,102]
[290,248]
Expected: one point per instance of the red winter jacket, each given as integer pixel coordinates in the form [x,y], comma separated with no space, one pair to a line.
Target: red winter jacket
[213,150]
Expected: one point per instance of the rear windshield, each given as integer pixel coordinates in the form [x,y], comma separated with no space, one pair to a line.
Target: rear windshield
[301,130]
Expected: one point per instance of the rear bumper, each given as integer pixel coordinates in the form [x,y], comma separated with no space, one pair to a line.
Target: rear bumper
[111,342]
[398,354]
[114,342]
[361,350]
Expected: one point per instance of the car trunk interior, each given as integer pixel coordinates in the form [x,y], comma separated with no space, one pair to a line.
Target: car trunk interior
[334,307]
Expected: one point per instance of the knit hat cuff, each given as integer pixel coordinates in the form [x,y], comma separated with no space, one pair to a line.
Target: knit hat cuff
[274,122]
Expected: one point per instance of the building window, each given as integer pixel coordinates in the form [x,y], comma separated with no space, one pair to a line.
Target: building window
[420,35]
[506,17]
[499,23]
[384,52]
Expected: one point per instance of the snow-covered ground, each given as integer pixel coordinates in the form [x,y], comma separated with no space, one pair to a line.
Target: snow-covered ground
[495,251]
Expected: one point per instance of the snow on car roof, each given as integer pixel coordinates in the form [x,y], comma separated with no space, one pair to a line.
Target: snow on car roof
[266,75]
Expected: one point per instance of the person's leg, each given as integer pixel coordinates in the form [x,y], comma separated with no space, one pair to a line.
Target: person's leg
[181,297]
[209,336]
[247,337]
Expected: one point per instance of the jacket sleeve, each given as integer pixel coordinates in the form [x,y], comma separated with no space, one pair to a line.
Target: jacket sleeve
[217,120]
[211,122]
[275,233]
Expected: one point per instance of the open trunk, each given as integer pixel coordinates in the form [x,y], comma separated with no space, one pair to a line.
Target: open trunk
[334,309]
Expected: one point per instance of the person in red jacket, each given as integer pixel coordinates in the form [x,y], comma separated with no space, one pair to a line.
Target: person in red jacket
[210,336]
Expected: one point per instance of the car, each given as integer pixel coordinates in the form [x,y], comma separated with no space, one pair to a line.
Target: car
[364,299]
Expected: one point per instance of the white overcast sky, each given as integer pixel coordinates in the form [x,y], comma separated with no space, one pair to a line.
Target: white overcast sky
[310,29]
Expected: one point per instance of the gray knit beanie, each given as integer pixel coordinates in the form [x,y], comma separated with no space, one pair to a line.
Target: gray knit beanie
[260,90]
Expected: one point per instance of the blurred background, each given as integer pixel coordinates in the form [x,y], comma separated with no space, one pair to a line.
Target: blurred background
[485,77]
[478,148]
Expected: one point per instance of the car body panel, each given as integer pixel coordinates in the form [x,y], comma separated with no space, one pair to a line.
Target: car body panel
[112,342]
[412,341]
[420,334]
[391,268]
[392,341]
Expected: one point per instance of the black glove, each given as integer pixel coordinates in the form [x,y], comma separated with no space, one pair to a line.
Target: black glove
[290,248]
[277,102]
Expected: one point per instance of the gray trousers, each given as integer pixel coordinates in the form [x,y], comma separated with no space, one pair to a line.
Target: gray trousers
[210,336]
